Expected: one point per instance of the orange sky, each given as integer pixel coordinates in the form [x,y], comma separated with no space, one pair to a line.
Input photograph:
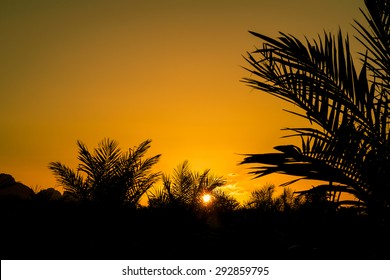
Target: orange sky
[135,70]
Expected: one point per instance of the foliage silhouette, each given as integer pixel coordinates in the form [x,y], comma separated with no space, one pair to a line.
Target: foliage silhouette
[289,201]
[185,188]
[264,200]
[89,231]
[108,175]
[221,201]
[349,143]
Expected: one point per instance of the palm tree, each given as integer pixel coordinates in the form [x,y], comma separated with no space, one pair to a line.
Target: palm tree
[348,142]
[289,200]
[264,199]
[223,202]
[185,187]
[108,175]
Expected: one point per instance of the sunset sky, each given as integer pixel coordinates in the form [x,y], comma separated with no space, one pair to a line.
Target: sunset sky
[134,70]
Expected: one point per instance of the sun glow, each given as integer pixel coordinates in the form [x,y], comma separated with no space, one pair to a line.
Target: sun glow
[206,198]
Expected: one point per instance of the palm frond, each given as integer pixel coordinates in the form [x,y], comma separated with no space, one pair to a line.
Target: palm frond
[183,183]
[72,181]
[186,187]
[158,198]
[376,38]
[352,143]
[112,177]
[223,201]
[319,78]
[87,161]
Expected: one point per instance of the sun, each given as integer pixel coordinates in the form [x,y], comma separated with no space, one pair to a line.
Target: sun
[206,198]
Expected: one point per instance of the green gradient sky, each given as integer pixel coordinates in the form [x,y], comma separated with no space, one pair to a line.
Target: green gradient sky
[133,70]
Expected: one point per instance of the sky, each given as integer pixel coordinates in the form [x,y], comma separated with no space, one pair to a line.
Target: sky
[129,70]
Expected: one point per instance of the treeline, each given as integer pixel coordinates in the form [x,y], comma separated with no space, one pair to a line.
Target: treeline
[111,177]
[99,216]
[108,177]
[266,229]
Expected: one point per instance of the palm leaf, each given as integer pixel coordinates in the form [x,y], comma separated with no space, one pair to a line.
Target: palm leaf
[72,181]
[376,38]
[352,143]
[111,176]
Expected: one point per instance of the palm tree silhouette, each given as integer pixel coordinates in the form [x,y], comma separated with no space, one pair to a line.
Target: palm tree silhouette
[185,187]
[349,144]
[223,202]
[265,200]
[108,175]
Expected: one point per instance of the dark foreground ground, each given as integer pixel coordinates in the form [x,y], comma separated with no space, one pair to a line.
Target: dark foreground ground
[63,231]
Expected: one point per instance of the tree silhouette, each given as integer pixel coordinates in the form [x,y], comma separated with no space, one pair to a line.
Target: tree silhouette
[264,200]
[108,175]
[289,201]
[223,202]
[185,187]
[348,143]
